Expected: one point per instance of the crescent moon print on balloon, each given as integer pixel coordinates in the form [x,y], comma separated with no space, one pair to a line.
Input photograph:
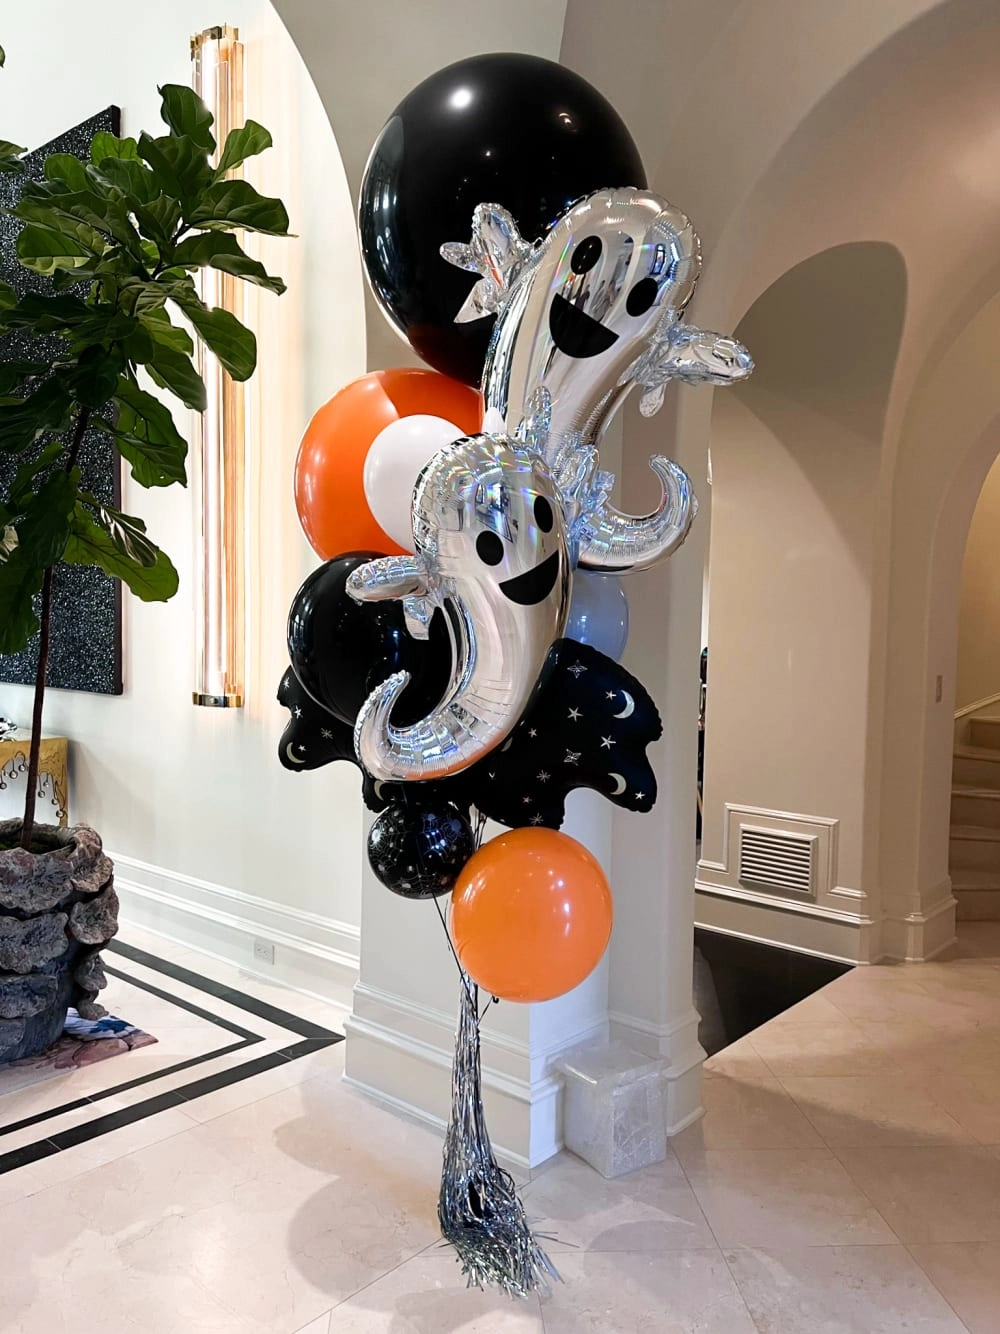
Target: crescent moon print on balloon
[584,316]
[589,726]
[491,552]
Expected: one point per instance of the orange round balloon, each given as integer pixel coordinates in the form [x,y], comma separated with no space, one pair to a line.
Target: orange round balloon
[329,470]
[531,915]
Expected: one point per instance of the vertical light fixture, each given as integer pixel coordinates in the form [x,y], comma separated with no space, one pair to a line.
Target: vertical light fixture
[219,472]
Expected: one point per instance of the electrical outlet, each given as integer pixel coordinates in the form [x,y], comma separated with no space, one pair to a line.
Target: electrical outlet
[263,951]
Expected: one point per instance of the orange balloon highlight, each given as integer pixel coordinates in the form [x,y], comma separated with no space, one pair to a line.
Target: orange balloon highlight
[531,915]
[329,470]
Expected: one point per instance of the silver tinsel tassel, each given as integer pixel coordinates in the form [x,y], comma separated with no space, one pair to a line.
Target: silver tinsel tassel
[478,1207]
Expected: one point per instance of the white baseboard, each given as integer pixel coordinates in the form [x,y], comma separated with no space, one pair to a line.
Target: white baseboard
[828,933]
[400,1053]
[923,933]
[313,954]
[678,1044]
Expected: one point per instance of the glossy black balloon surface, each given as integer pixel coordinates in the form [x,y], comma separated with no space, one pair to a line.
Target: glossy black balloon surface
[341,649]
[502,129]
[418,850]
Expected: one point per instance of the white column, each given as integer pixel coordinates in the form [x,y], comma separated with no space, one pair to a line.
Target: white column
[651,957]
[400,1035]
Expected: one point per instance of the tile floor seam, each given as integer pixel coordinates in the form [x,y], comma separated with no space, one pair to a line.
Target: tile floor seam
[694,1193]
[761,1329]
[914,1143]
[908,1247]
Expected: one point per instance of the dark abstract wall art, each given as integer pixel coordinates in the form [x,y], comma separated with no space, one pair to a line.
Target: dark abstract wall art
[86,651]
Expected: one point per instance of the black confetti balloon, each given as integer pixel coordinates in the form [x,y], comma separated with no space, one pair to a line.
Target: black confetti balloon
[417,850]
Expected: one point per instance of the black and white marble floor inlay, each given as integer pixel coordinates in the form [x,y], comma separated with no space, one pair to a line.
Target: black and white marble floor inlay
[209,1035]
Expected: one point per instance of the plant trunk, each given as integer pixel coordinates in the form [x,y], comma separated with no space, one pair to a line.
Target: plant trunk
[45,618]
[28,827]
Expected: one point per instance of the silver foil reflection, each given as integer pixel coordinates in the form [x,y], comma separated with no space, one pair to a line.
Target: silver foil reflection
[491,551]
[591,312]
[478,1208]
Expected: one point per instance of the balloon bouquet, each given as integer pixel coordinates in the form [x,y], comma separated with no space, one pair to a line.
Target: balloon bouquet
[459,643]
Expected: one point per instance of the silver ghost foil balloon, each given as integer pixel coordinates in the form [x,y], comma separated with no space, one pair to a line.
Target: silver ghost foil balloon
[491,552]
[585,315]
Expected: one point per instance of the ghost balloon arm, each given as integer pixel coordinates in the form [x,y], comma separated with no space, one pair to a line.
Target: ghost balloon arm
[618,543]
[497,252]
[697,356]
[388,578]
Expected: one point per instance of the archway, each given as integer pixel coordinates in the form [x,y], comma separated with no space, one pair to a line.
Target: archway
[796,456]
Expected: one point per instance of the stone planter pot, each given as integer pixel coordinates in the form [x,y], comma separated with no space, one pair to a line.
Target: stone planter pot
[58,908]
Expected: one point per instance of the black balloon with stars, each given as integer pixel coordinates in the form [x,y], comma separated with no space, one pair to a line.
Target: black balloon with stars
[588,727]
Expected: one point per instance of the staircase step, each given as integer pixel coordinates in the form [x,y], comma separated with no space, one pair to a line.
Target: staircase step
[975,833]
[985,731]
[973,847]
[966,881]
[978,905]
[976,766]
[979,806]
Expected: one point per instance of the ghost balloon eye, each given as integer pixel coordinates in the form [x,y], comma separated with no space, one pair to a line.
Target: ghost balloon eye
[543,514]
[586,254]
[641,297]
[489,548]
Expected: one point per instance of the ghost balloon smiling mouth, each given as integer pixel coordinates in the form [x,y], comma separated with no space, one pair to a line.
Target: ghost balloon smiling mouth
[575,332]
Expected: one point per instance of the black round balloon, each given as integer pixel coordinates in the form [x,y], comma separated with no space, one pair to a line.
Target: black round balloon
[502,129]
[417,850]
[341,649]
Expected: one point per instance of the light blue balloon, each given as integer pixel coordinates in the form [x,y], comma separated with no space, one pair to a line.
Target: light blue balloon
[598,613]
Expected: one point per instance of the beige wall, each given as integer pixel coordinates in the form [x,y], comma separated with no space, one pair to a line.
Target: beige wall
[978,674]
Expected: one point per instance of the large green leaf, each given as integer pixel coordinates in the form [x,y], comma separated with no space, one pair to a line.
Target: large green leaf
[246,141]
[44,527]
[94,378]
[147,438]
[236,204]
[92,544]
[175,371]
[181,168]
[232,342]
[10,157]
[127,533]
[8,297]
[222,251]
[19,582]
[159,220]
[67,169]
[23,420]
[163,330]
[105,145]
[45,314]
[133,178]
[45,249]
[186,114]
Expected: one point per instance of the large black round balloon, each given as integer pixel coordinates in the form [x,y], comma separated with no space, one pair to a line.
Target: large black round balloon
[417,850]
[496,129]
[341,649]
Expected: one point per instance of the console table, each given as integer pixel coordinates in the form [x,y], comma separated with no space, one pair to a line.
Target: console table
[53,767]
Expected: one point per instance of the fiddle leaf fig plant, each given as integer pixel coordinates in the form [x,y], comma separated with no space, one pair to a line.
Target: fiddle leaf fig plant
[120,239]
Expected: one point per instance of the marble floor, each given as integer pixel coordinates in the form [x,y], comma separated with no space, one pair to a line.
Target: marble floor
[846,1177]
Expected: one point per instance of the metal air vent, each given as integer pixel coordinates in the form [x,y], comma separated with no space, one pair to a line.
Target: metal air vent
[777,860]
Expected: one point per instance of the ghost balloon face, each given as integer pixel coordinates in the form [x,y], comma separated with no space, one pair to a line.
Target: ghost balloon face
[594,310]
[491,551]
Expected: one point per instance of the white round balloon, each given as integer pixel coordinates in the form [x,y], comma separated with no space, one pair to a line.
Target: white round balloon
[397,456]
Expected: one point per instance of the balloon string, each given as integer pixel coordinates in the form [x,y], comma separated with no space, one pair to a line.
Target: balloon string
[466,979]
